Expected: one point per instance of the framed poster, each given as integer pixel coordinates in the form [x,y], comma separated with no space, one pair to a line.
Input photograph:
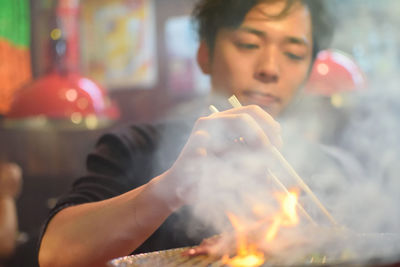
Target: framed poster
[118,43]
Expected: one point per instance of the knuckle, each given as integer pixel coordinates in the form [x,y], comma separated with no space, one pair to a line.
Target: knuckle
[244,117]
[201,151]
[257,109]
[200,134]
[202,119]
[201,122]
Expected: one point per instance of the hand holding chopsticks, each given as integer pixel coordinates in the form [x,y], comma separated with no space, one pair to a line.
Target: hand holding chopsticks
[260,125]
[206,156]
[290,170]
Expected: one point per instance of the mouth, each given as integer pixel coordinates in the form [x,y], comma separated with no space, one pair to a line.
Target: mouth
[262,99]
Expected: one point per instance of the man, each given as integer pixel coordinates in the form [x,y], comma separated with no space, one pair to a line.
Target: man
[138,187]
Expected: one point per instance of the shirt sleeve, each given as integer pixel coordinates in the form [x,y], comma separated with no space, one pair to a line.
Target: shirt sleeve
[121,161]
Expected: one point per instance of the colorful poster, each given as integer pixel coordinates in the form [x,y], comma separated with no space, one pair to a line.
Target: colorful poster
[15,60]
[118,43]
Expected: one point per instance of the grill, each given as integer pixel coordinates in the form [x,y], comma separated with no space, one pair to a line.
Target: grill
[174,258]
[167,258]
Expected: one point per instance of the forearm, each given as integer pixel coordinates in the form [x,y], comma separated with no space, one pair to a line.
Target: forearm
[92,234]
[8,226]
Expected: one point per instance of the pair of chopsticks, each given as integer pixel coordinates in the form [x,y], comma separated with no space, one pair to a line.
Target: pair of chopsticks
[235,103]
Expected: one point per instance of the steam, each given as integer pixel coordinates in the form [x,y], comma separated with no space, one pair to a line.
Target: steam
[354,172]
[358,181]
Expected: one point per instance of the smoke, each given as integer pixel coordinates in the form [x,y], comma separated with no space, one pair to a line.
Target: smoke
[357,180]
[354,172]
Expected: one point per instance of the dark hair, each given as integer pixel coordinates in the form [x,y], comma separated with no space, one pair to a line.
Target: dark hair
[212,15]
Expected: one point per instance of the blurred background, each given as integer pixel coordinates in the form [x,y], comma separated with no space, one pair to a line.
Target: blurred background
[71,70]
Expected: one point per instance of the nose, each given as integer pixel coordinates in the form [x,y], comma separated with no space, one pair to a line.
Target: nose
[267,69]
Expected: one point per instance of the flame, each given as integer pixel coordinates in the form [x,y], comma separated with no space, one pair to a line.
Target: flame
[249,260]
[287,216]
[247,254]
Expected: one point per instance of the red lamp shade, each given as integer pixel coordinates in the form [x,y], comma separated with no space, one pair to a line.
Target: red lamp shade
[335,72]
[63,95]
[60,96]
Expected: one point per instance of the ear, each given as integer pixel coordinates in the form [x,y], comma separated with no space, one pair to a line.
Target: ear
[203,57]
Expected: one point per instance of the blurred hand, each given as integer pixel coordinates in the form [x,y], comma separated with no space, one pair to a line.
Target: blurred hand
[10,179]
[214,141]
[219,132]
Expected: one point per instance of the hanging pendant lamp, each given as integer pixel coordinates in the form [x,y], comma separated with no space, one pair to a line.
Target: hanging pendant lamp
[63,97]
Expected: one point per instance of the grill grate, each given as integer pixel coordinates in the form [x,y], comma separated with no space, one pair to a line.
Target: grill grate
[175,258]
[166,258]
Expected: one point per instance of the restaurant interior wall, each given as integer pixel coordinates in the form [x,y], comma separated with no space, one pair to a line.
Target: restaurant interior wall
[52,159]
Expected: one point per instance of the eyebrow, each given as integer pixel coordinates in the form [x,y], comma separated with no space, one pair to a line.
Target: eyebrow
[290,39]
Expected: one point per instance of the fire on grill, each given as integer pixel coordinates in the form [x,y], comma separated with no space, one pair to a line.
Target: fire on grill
[251,242]
[280,236]
[343,254]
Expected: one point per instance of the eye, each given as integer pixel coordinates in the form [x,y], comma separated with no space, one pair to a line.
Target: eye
[247,46]
[294,56]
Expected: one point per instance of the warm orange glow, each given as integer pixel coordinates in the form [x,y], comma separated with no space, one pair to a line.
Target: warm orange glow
[289,209]
[286,217]
[249,260]
[247,254]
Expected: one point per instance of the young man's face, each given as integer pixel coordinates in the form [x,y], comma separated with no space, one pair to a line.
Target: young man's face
[264,61]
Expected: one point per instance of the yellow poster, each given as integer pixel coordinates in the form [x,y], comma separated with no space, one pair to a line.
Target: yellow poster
[118,43]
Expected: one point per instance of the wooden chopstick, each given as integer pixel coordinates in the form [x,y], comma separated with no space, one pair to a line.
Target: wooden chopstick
[235,103]
[213,109]
[284,189]
[302,184]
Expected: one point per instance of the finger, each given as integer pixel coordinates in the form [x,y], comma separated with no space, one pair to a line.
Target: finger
[267,123]
[196,251]
[224,128]
[197,143]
